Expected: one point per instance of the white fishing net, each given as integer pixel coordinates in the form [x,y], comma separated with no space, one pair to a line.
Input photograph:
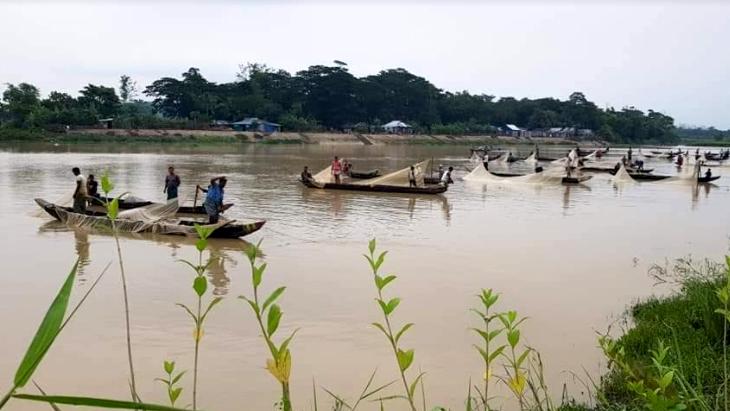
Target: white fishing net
[400,177]
[622,176]
[152,212]
[532,158]
[552,175]
[65,201]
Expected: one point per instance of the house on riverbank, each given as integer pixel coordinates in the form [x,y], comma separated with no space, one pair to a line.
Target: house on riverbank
[256,124]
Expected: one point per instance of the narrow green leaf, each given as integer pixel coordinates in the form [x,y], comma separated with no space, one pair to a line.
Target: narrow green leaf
[405,359]
[285,344]
[169,366]
[496,353]
[96,402]
[175,394]
[200,284]
[381,259]
[211,304]
[203,231]
[481,352]
[381,328]
[272,322]
[371,247]
[270,299]
[257,273]
[47,331]
[494,334]
[391,306]
[385,281]
[513,337]
[193,266]
[185,307]
[252,303]
[106,183]
[177,378]
[201,244]
[484,335]
[112,210]
[402,330]
[414,384]
[522,357]
[666,379]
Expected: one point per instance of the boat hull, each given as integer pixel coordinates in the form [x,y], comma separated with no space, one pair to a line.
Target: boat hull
[429,189]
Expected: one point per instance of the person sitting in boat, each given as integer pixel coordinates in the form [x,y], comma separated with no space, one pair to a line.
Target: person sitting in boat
[538,168]
[629,153]
[708,173]
[80,194]
[617,167]
[214,198]
[306,176]
[639,164]
[172,182]
[336,169]
[446,177]
[412,177]
[345,168]
[92,187]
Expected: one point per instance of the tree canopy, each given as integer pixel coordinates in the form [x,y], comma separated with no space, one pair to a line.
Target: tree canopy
[323,98]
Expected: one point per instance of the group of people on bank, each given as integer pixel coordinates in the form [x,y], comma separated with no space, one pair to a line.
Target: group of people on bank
[87,192]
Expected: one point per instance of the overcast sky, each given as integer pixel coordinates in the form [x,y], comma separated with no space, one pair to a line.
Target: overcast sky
[673,57]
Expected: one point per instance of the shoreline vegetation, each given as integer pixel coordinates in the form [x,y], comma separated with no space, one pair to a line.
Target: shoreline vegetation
[673,357]
[330,99]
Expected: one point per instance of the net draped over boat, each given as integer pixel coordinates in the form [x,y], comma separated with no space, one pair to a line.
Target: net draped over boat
[154,218]
[622,176]
[399,178]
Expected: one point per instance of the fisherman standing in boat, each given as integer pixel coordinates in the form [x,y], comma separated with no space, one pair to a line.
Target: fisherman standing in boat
[92,187]
[336,169]
[446,177]
[80,192]
[172,182]
[214,198]
[412,177]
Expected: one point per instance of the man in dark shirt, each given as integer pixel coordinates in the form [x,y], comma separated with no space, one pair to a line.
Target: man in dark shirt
[172,182]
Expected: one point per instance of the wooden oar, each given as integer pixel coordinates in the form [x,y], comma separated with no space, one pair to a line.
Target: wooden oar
[195,199]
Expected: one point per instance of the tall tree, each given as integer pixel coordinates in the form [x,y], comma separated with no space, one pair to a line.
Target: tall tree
[103,100]
[20,101]
[127,88]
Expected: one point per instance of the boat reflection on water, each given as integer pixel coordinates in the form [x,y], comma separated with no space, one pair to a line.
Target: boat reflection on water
[220,250]
[698,189]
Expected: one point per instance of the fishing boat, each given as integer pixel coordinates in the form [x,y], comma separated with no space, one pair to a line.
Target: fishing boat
[380,188]
[643,176]
[168,226]
[364,174]
[612,170]
[124,203]
[707,179]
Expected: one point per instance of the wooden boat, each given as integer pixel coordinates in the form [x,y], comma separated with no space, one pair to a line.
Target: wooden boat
[611,170]
[643,176]
[229,229]
[428,189]
[365,174]
[707,179]
[123,204]
[565,180]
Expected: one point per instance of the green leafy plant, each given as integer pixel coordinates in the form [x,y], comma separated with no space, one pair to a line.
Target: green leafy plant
[488,351]
[279,365]
[517,373]
[723,294]
[403,356]
[173,391]
[112,210]
[200,286]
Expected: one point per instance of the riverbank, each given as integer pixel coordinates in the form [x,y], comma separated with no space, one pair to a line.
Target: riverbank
[232,137]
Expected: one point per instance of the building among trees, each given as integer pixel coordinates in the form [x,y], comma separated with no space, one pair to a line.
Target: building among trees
[397,127]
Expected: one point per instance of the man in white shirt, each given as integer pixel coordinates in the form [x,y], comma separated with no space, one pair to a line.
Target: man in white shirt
[446,177]
[80,193]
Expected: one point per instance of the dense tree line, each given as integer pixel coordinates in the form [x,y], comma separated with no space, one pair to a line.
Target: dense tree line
[321,98]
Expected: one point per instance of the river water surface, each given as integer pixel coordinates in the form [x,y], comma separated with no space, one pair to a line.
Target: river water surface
[570,258]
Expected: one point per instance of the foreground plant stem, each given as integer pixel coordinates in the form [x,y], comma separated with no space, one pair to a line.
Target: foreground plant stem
[126,314]
[198,326]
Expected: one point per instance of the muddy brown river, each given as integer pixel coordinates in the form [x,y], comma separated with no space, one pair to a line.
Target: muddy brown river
[571,258]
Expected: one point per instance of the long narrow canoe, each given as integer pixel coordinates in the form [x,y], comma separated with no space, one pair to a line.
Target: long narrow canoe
[379,188]
[176,226]
[611,170]
[707,179]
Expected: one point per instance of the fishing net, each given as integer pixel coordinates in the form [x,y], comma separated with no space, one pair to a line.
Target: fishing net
[152,212]
[622,176]
[65,201]
[400,177]
[532,158]
[553,175]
